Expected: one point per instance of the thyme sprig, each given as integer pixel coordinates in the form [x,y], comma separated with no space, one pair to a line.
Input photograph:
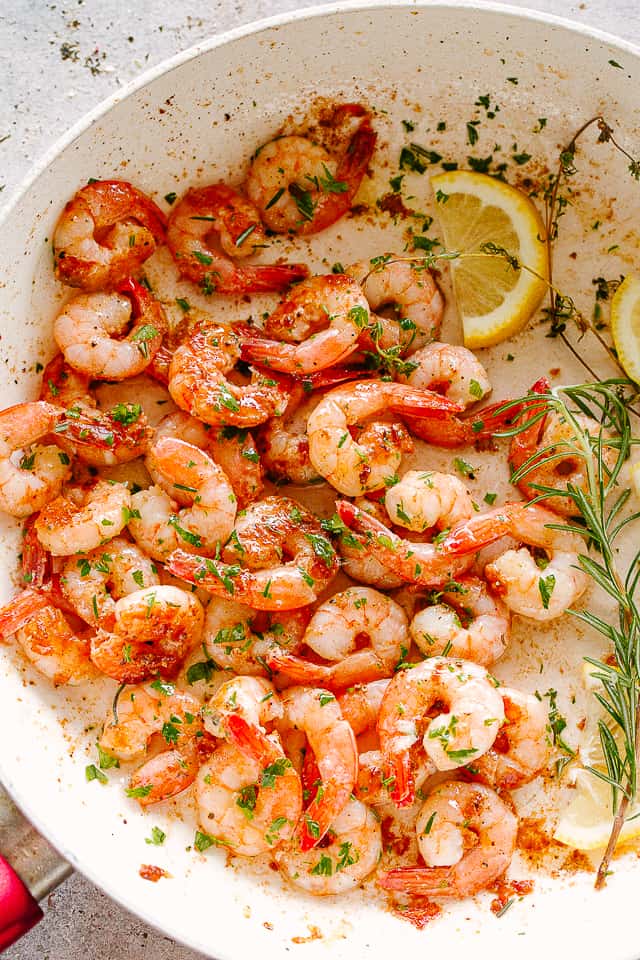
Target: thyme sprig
[599,506]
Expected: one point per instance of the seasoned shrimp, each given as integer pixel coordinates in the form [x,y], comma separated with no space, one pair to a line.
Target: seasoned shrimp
[360,704]
[317,712]
[537,588]
[469,715]
[352,852]
[96,437]
[239,711]
[105,233]
[153,710]
[298,187]
[235,641]
[467,837]
[362,633]
[90,330]
[468,623]
[411,291]
[153,631]
[189,476]
[251,806]
[210,229]
[326,314]
[428,564]
[520,751]
[47,639]
[355,467]
[283,442]
[277,558]
[423,499]
[84,518]
[31,474]
[93,582]
[198,382]
[359,563]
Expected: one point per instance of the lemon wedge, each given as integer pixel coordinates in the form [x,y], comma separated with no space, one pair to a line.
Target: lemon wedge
[586,822]
[625,325]
[494,300]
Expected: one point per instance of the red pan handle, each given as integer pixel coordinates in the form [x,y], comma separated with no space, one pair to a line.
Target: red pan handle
[18,910]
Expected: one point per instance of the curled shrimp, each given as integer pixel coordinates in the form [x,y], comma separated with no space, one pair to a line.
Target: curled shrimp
[277,558]
[250,805]
[428,564]
[210,229]
[47,639]
[298,187]
[92,583]
[317,713]
[283,442]
[199,385]
[153,631]
[520,751]
[189,476]
[467,838]
[234,639]
[31,473]
[469,716]
[423,499]
[105,233]
[353,466]
[467,622]
[542,588]
[84,518]
[90,330]
[413,294]
[156,710]
[359,563]
[325,313]
[351,852]
[96,437]
[362,633]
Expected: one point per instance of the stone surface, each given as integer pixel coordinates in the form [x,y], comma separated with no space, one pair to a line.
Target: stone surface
[57,61]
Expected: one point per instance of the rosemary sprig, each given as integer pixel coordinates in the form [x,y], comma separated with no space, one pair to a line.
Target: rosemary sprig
[599,508]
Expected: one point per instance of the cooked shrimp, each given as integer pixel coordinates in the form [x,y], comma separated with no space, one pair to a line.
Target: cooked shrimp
[31,474]
[277,558]
[105,233]
[96,437]
[520,751]
[362,633]
[469,715]
[559,462]
[153,631]
[198,382]
[299,188]
[83,518]
[90,330]
[283,442]
[353,466]
[414,295]
[233,643]
[251,806]
[423,499]
[326,314]
[239,711]
[429,564]
[317,713]
[360,704]
[352,852]
[372,786]
[537,588]
[93,582]
[147,711]
[210,229]
[467,837]
[468,623]
[55,649]
[359,563]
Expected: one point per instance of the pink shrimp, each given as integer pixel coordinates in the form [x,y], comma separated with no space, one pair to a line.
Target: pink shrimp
[219,212]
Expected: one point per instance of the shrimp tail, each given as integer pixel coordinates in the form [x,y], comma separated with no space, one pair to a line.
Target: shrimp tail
[403,790]
[471,535]
[261,279]
[297,668]
[19,611]
[36,561]
[421,403]
[417,880]
[248,738]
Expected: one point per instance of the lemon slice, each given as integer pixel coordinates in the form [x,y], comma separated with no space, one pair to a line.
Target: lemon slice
[586,823]
[494,300]
[625,325]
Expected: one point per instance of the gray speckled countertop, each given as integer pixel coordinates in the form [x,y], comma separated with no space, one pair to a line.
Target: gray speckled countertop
[57,61]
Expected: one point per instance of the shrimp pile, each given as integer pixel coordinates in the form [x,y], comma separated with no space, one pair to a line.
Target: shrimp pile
[298,672]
